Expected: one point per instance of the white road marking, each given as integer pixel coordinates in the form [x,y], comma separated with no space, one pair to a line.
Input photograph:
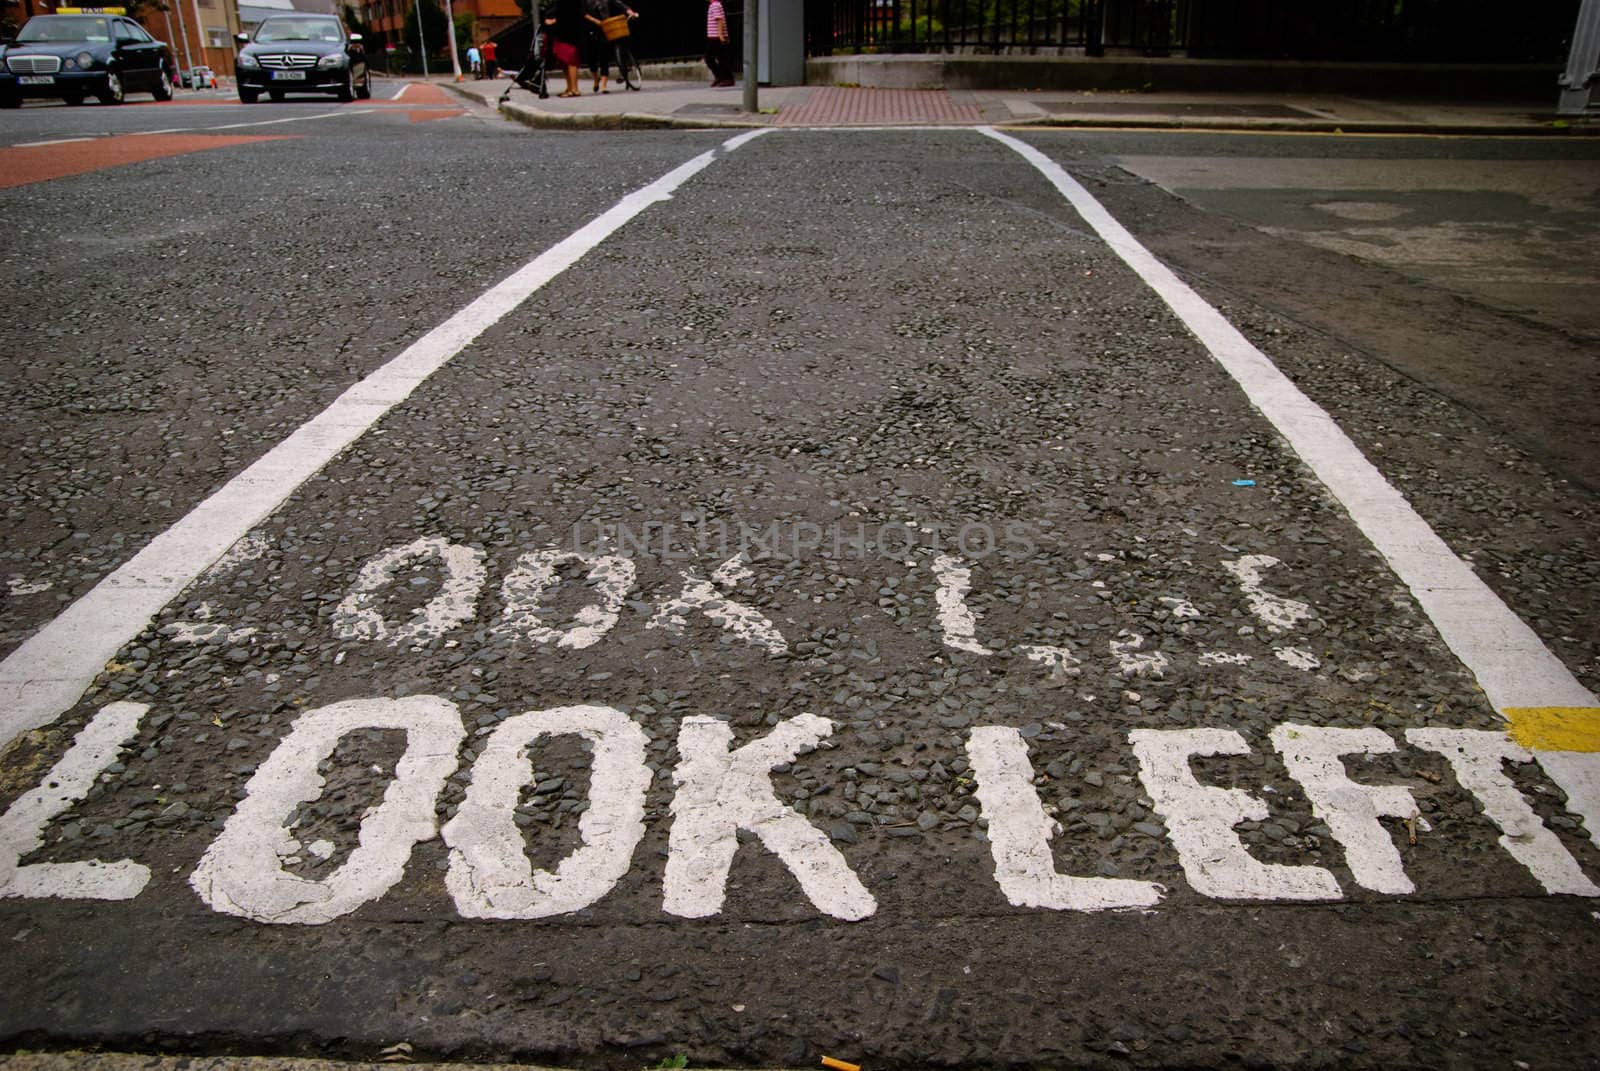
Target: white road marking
[490,876]
[536,573]
[57,141]
[1314,757]
[1131,663]
[1277,612]
[50,670]
[292,119]
[242,871]
[1019,834]
[22,826]
[1512,664]
[956,619]
[1478,759]
[1200,820]
[357,616]
[170,130]
[745,622]
[722,790]
[1059,661]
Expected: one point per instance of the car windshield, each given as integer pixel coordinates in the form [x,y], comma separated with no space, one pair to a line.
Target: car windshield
[298,30]
[50,29]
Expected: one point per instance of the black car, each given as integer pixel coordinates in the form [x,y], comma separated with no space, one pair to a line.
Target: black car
[72,56]
[302,54]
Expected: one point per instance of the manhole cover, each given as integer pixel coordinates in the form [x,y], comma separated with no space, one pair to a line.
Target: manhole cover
[1180,110]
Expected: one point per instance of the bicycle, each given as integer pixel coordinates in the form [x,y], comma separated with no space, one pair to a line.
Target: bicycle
[532,75]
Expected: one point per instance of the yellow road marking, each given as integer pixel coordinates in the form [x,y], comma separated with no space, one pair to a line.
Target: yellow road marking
[1555,728]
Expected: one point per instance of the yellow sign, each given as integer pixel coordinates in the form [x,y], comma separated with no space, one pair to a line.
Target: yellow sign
[91,11]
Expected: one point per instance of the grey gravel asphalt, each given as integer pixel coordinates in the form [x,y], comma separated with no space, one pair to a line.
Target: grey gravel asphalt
[959,432]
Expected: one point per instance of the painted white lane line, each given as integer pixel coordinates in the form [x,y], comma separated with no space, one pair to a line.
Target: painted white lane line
[170,130]
[57,141]
[47,674]
[292,119]
[1512,664]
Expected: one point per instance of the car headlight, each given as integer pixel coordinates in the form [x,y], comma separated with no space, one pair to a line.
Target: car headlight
[337,59]
[246,60]
[82,61]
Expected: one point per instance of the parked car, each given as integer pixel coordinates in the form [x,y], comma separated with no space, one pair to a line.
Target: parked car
[72,56]
[302,54]
[199,78]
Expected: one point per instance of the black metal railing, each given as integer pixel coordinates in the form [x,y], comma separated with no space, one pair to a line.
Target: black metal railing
[957,25]
[1353,30]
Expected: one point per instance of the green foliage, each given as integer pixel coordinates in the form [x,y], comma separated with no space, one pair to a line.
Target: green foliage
[353,22]
[141,9]
[435,29]
[672,1063]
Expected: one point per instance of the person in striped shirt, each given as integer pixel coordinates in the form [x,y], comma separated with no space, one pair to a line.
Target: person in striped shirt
[717,45]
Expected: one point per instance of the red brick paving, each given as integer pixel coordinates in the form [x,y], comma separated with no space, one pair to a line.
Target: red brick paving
[41,163]
[420,93]
[838,106]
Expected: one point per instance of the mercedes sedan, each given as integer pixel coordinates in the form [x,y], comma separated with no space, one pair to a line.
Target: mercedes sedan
[302,54]
[73,56]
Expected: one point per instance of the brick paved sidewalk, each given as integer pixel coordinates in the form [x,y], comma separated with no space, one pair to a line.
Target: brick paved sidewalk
[840,106]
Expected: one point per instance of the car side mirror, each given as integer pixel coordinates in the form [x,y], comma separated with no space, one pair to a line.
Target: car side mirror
[242,38]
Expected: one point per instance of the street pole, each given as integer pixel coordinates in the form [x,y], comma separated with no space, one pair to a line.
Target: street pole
[1582,60]
[183,32]
[199,36]
[422,42]
[450,23]
[752,15]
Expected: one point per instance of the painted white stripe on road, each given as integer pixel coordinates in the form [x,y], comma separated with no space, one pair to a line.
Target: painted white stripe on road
[1512,664]
[48,673]
[57,141]
[292,119]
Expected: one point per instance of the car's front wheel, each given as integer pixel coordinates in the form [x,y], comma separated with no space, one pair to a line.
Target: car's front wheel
[113,92]
[163,86]
[347,92]
[364,90]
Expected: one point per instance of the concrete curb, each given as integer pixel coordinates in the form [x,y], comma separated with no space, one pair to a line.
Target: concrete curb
[1289,126]
[544,120]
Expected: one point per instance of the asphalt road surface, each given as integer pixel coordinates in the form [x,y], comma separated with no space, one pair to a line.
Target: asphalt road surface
[926,598]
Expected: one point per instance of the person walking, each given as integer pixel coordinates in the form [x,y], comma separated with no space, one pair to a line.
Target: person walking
[717,45]
[596,44]
[566,36]
[475,62]
[491,65]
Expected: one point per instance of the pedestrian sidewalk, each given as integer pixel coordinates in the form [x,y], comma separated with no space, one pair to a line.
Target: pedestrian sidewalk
[686,104]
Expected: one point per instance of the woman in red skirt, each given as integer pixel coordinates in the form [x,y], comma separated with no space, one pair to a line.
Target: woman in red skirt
[566,35]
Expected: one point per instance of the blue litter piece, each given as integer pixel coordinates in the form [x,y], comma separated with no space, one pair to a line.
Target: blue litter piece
[1244,483]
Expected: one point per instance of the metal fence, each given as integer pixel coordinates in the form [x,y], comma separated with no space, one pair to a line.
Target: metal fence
[1357,30]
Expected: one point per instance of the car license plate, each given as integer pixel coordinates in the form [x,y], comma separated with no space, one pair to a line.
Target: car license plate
[37,79]
[288,76]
